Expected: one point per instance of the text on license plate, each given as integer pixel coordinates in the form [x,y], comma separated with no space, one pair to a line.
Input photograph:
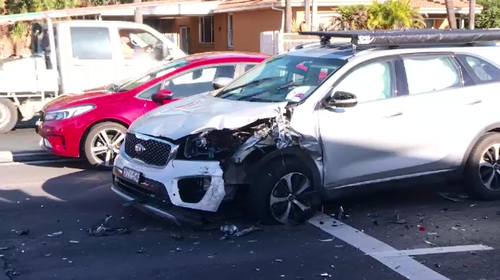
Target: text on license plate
[132,175]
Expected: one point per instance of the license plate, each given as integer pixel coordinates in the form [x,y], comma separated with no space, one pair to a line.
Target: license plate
[131,175]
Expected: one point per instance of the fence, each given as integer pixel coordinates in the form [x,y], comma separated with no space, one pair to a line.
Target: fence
[275,42]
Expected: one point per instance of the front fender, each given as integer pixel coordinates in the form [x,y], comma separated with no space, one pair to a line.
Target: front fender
[289,152]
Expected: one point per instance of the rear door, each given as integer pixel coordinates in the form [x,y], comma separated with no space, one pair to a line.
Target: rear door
[93,59]
[440,112]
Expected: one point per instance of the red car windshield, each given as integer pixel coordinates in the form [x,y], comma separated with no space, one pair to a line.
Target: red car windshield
[151,74]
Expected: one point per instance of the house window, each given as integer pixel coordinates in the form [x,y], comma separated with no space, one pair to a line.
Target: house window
[230,31]
[429,23]
[206,29]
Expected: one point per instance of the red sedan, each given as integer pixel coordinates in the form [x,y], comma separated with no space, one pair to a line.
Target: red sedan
[93,124]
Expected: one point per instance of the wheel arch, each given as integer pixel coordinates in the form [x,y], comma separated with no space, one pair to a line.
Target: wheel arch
[495,127]
[293,152]
[92,125]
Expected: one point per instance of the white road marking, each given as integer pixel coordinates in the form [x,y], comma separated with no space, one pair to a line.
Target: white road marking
[435,250]
[37,162]
[404,265]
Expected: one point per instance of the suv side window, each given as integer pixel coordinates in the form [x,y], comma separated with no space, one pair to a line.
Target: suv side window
[198,80]
[372,81]
[91,43]
[482,72]
[431,73]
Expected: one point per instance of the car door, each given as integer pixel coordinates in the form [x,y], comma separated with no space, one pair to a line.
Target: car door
[190,82]
[93,60]
[443,106]
[373,140]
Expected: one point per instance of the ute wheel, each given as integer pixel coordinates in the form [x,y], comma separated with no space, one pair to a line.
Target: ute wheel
[283,194]
[103,143]
[8,115]
[482,171]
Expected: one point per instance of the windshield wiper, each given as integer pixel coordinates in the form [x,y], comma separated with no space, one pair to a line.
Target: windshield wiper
[250,96]
[287,85]
[252,83]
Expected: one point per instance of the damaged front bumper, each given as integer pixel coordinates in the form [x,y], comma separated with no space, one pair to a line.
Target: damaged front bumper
[178,192]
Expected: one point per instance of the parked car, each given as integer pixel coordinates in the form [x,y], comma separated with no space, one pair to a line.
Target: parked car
[393,106]
[73,56]
[93,124]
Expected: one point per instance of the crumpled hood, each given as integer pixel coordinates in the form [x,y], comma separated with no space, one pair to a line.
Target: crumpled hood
[202,112]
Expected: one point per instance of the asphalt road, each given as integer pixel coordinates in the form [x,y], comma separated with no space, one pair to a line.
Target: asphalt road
[21,139]
[49,199]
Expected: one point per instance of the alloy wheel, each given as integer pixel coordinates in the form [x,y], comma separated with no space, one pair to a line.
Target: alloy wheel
[489,168]
[106,145]
[289,199]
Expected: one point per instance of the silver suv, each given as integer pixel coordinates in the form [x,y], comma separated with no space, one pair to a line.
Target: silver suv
[309,124]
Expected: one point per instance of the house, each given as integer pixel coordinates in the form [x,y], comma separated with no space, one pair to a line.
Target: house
[211,25]
[237,24]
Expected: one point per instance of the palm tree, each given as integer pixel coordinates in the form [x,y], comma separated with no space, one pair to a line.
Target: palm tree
[450,10]
[288,16]
[394,14]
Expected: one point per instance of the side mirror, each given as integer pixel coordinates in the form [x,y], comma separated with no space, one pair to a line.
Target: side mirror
[162,97]
[342,99]
[221,82]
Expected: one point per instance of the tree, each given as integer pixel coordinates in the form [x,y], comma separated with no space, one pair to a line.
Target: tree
[490,15]
[19,30]
[352,17]
[391,14]
[394,14]
[450,10]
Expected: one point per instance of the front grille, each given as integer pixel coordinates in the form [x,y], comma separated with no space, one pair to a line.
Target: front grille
[153,153]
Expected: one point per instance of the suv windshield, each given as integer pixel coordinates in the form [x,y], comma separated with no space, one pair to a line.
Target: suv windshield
[156,72]
[282,78]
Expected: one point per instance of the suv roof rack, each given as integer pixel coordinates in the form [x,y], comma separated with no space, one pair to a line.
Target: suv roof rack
[392,38]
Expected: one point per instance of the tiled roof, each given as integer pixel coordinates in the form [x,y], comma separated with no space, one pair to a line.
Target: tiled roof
[414,3]
[439,4]
[238,3]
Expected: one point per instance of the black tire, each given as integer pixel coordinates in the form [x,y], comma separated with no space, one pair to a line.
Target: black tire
[474,184]
[91,137]
[259,195]
[8,121]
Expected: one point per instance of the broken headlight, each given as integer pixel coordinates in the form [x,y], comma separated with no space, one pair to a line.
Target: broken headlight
[218,144]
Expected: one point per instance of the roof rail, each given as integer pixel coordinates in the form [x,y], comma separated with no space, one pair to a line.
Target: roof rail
[408,36]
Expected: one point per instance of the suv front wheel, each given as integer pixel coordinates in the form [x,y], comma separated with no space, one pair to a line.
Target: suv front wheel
[482,171]
[282,193]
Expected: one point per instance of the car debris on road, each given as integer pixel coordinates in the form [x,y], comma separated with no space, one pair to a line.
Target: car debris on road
[103,229]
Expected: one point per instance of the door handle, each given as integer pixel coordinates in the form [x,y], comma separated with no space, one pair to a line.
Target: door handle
[394,115]
[475,102]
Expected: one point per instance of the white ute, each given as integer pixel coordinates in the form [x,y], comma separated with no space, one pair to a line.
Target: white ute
[321,120]
[70,57]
